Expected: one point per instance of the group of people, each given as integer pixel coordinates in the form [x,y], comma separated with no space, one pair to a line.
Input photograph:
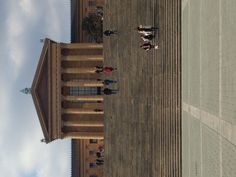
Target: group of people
[106,82]
[147,35]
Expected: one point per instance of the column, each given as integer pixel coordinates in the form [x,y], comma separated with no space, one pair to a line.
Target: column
[78,70]
[83,84]
[82,111]
[84,123]
[84,135]
[84,98]
[83,58]
[81,46]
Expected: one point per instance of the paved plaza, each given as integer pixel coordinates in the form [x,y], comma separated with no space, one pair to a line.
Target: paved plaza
[209,88]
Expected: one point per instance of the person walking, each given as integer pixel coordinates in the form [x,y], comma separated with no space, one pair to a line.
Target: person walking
[110,32]
[99,155]
[107,81]
[148,46]
[147,38]
[146,28]
[108,91]
[99,162]
[104,69]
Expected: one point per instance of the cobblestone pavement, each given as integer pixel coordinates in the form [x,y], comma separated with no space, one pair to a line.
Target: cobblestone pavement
[143,121]
[209,88]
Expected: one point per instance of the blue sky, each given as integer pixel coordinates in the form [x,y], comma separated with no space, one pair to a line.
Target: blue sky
[22,24]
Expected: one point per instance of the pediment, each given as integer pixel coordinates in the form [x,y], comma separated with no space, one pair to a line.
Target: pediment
[40,89]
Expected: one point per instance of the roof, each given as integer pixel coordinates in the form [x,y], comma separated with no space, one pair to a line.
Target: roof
[46,92]
[40,90]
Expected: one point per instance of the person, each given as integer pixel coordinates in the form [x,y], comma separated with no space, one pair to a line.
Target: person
[101,148]
[99,155]
[108,91]
[107,81]
[104,69]
[98,110]
[110,32]
[99,162]
[147,38]
[146,28]
[148,46]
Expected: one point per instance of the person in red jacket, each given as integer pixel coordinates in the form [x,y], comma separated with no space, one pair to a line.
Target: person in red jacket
[100,69]
[148,46]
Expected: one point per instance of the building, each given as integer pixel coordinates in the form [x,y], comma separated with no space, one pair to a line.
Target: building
[68,100]
[84,158]
[66,92]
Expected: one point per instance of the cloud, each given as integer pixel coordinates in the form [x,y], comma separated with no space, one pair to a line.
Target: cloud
[15,29]
[24,151]
[28,7]
[21,152]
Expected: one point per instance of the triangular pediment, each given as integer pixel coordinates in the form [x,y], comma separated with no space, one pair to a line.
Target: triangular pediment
[40,89]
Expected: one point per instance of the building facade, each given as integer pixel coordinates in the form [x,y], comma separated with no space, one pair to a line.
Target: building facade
[67,93]
[84,156]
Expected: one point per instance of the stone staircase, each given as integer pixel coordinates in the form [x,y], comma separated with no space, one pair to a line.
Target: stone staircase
[143,121]
[169,113]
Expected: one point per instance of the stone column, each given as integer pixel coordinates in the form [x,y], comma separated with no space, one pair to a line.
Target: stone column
[84,98]
[82,111]
[78,70]
[85,123]
[81,46]
[83,58]
[83,84]
[84,135]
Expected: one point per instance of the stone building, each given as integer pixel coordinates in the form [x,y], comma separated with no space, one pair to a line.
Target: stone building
[67,96]
[66,91]
[84,158]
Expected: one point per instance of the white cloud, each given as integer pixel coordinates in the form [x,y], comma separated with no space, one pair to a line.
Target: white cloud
[14,25]
[21,151]
[28,7]
[15,28]
[55,27]
[4,110]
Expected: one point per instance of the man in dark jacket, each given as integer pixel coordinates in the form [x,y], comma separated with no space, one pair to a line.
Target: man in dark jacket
[108,91]
[109,32]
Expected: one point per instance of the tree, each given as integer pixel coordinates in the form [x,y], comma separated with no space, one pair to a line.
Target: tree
[93,24]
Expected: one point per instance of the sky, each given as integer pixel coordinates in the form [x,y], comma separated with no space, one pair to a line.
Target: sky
[22,24]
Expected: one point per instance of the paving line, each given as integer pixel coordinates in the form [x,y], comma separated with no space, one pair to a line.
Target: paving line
[220,83]
[200,63]
[225,129]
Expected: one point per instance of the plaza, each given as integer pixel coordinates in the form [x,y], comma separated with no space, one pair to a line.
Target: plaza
[208,88]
